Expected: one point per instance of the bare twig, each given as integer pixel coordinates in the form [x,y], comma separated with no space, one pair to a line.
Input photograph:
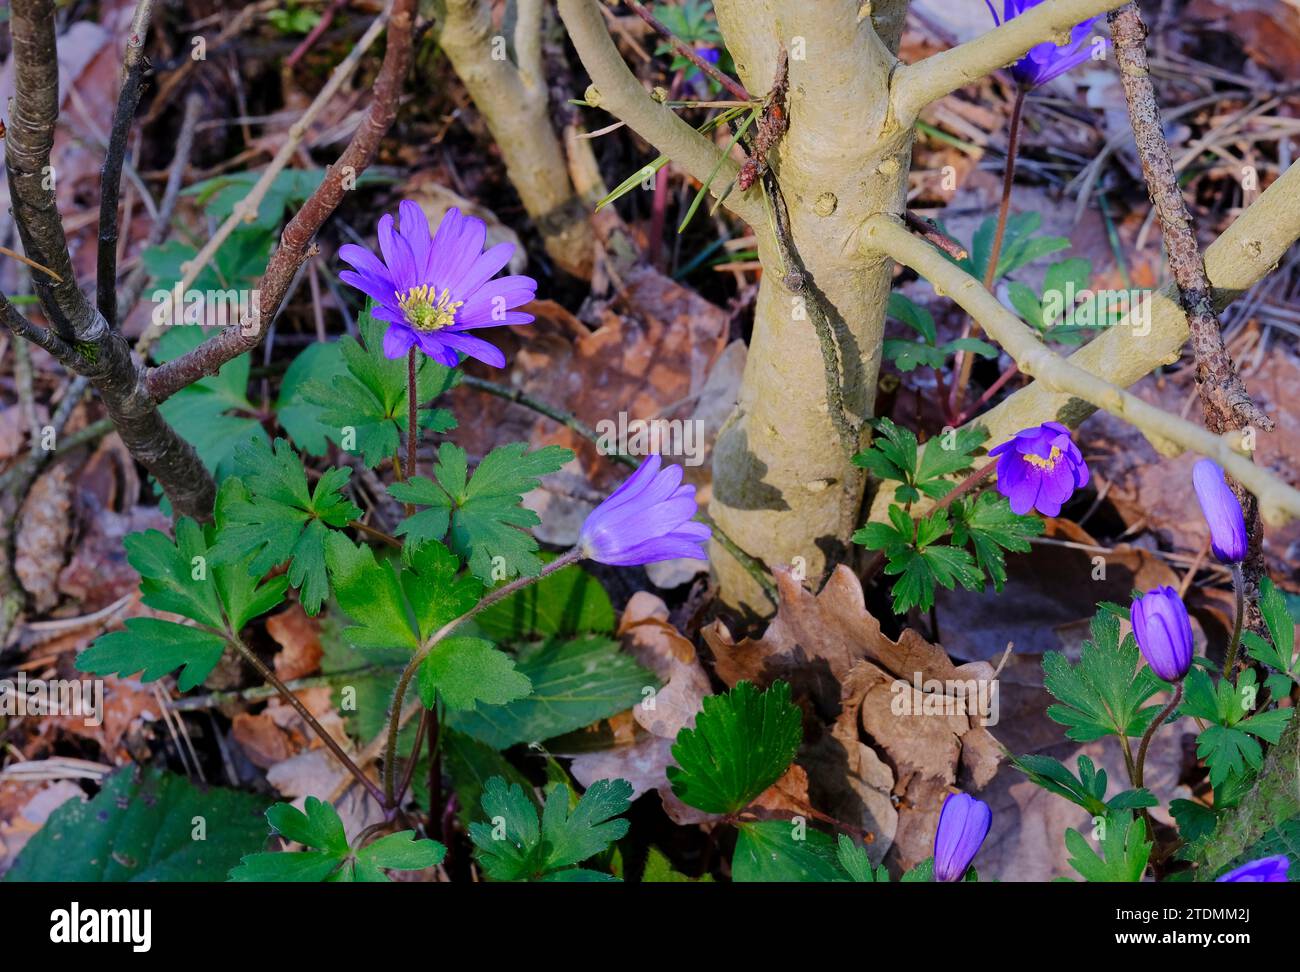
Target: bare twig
[134,66]
[690,53]
[296,240]
[930,231]
[1225,402]
[617,90]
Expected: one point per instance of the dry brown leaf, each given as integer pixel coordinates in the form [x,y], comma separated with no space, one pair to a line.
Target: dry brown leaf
[44,528]
[834,654]
[299,640]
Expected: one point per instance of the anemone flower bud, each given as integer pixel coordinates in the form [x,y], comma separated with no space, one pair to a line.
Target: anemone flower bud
[963,825]
[1266,869]
[1163,632]
[647,519]
[1046,61]
[1040,468]
[1222,512]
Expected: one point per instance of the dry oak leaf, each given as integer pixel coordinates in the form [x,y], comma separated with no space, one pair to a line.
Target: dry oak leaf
[834,654]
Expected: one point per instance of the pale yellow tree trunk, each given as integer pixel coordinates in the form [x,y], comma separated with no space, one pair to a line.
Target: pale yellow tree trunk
[784,486]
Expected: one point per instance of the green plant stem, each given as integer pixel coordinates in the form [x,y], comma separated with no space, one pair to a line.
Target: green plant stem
[1239,587]
[1147,736]
[995,251]
[330,742]
[412,415]
[403,683]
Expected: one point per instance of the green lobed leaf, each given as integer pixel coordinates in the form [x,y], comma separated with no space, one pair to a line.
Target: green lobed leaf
[1105,692]
[513,846]
[462,672]
[771,851]
[481,516]
[284,519]
[364,410]
[1124,850]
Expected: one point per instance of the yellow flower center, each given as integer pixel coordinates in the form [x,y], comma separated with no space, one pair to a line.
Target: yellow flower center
[427,310]
[1048,463]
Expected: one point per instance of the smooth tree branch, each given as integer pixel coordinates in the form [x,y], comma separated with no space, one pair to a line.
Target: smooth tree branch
[134,66]
[87,345]
[917,85]
[617,91]
[515,103]
[1278,501]
[296,242]
[1154,331]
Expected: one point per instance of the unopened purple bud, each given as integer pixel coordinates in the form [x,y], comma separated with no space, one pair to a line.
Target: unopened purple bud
[1222,512]
[963,824]
[1164,632]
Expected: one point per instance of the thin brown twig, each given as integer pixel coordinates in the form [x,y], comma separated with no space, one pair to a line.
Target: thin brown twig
[1225,402]
[689,52]
[296,242]
[134,66]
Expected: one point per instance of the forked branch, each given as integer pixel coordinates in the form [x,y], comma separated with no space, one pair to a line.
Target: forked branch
[622,95]
[886,234]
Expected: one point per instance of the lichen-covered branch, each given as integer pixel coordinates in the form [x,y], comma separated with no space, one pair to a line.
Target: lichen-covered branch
[513,102]
[1278,501]
[1225,402]
[296,240]
[917,85]
[619,92]
[80,337]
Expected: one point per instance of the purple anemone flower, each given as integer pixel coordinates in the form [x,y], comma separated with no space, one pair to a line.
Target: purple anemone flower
[647,519]
[963,825]
[1222,512]
[1039,468]
[1266,869]
[1045,61]
[1163,631]
[432,290]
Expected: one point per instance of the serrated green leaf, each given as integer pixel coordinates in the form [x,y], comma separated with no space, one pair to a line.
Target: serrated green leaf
[331,858]
[987,523]
[1124,850]
[464,671]
[1104,693]
[853,858]
[178,577]
[741,744]
[284,519]
[365,410]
